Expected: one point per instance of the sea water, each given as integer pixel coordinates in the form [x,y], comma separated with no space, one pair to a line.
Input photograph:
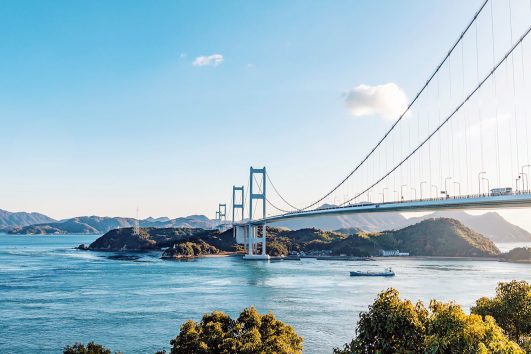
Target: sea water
[52,295]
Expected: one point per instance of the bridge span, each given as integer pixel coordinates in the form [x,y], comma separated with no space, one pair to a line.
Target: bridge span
[462,142]
[516,200]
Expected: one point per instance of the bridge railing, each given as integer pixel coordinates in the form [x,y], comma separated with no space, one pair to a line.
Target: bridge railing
[447,197]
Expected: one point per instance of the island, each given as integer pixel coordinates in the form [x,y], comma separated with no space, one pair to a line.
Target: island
[518,255]
[440,237]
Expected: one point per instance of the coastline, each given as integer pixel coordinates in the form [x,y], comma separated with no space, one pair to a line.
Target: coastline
[443,258]
[319,258]
[219,255]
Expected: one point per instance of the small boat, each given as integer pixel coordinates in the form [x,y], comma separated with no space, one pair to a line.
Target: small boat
[388,272]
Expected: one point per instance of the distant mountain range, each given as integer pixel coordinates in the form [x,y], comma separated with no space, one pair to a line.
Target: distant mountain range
[38,224]
[8,219]
[370,222]
[490,224]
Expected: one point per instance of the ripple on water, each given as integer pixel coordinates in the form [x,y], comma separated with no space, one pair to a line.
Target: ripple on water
[62,295]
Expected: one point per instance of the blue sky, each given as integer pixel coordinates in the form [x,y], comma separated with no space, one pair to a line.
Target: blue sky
[103,109]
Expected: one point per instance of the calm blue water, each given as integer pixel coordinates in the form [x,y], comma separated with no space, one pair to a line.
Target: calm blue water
[52,295]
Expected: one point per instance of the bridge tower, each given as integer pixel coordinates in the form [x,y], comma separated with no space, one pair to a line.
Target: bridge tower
[222,212]
[239,231]
[221,217]
[237,201]
[253,239]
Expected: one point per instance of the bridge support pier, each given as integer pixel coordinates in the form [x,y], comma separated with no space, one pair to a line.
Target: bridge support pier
[261,195]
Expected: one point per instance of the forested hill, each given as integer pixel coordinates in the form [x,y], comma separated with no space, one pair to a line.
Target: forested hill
[442,237]
[433,237]
[491,224]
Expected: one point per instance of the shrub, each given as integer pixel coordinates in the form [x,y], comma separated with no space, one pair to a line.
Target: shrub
[250,333]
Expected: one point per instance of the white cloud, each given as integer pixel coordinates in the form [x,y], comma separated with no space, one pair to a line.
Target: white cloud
[388,100]
[206,60]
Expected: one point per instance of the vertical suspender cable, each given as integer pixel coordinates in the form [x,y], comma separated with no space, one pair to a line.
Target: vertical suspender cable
[467,167]
[495,96]
[456,110]
[514,96]
[440,135]
[524,86]
[405,111]
[479,107]
[429,153]
[450,128]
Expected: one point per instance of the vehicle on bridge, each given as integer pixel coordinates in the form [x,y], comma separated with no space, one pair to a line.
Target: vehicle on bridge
[501,191]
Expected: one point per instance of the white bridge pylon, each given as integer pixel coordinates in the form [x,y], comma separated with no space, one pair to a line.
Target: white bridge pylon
[247,233]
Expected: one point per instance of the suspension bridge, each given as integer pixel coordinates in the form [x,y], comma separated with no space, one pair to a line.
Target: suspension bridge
[461,143]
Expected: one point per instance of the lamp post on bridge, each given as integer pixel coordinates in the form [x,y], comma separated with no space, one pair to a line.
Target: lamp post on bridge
[383,194]
[459,185]
[479,181]
[526,176]
[446,186]
[524,179]
[421,183]
[488,184]
[402,191]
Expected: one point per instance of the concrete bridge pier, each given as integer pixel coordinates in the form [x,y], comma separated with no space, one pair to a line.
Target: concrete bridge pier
[253,241]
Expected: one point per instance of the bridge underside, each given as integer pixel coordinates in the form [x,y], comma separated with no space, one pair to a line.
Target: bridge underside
[477,202]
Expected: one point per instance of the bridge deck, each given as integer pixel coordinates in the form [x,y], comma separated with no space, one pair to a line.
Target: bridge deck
[518,200]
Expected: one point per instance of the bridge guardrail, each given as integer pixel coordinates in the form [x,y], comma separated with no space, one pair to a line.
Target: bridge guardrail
[458,197]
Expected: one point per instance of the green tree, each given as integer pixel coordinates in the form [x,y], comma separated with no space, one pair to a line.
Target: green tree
[450,330]
[511,308]
[250,333]
[91,348]
[393,325]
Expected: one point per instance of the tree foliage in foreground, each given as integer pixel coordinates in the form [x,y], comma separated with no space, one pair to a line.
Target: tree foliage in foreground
[91,348]
[511,308]
[393,325]
[250,333]
[501,324]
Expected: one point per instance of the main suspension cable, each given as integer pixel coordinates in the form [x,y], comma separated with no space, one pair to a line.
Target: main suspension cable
[493,70]
[278,193]
[405,111]
[267,200]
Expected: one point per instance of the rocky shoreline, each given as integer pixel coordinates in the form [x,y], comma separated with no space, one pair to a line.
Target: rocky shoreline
[429,238]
